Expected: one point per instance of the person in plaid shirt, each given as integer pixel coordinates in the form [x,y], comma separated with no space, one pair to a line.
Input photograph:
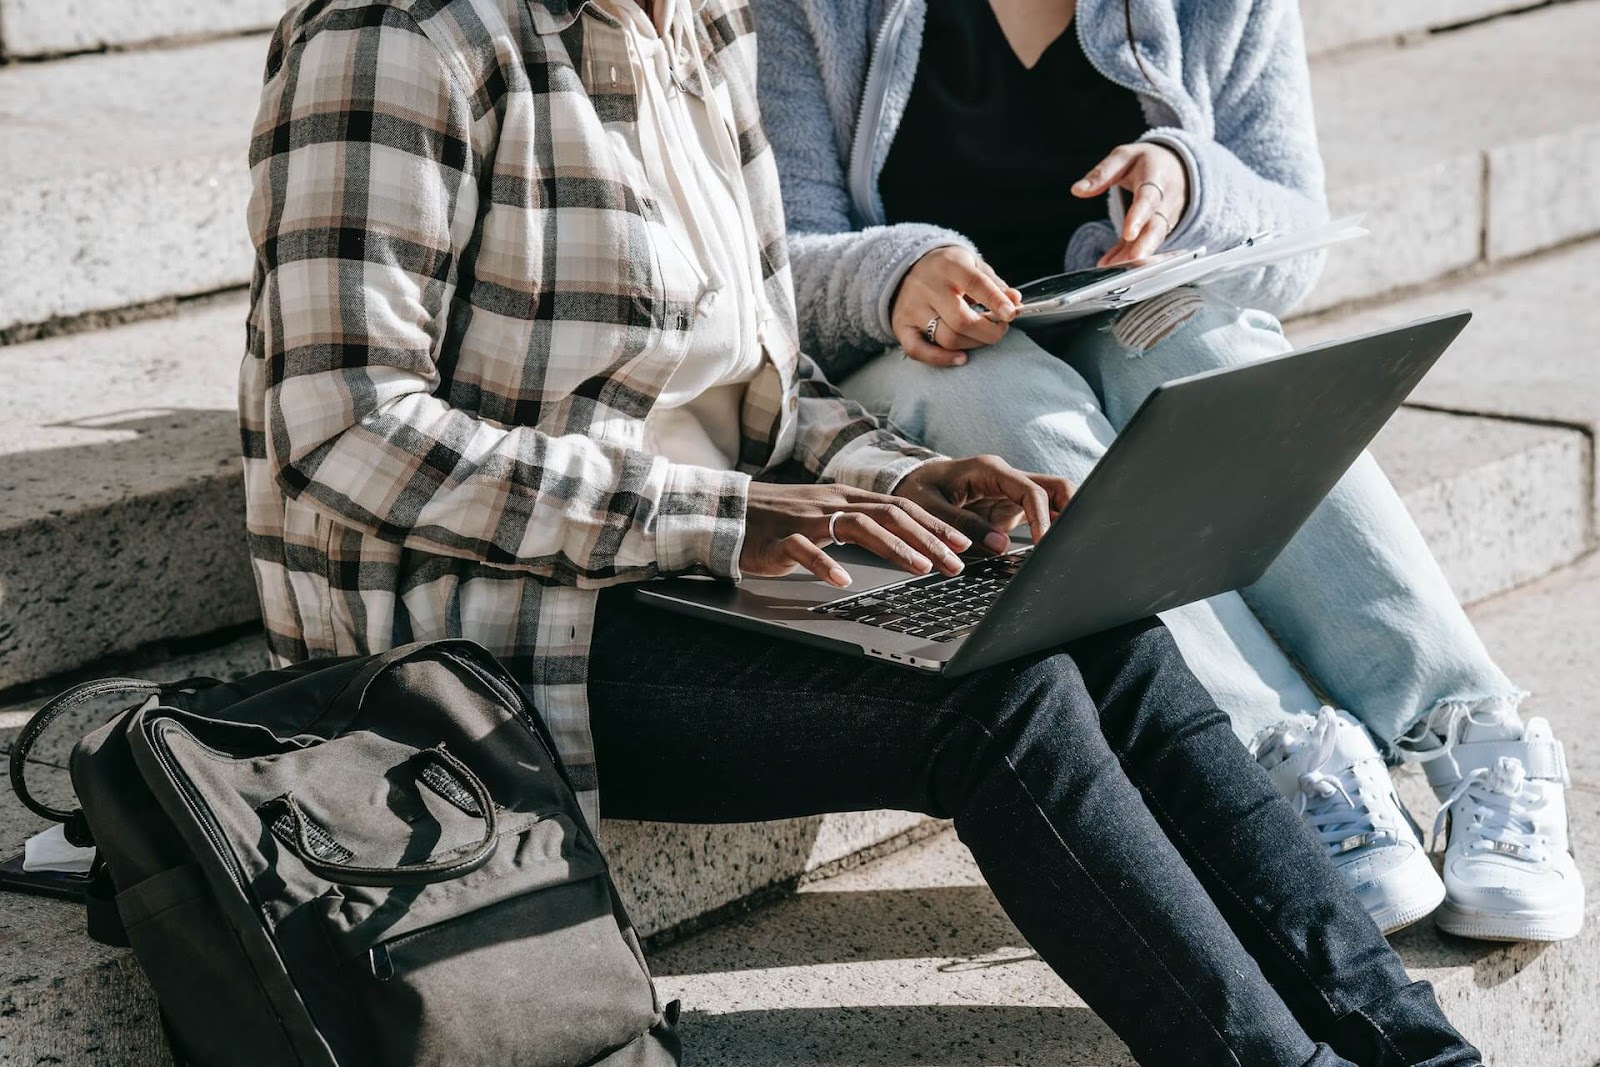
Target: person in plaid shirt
[522,333]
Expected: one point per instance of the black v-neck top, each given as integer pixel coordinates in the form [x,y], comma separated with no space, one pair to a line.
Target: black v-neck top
[989,148]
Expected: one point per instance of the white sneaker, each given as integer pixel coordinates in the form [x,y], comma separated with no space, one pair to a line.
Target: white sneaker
[1330,770]
[1508,870]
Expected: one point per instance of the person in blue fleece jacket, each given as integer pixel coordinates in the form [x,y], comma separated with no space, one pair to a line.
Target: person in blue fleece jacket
[937,153]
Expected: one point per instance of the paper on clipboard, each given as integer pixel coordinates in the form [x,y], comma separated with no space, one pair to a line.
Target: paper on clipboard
[1065,297]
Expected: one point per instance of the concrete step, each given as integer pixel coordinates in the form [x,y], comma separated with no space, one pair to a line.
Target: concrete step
[121,512]
[909,960]
[1500,503]
[123,178]
[30,28]
[1529,353]
[1449,147]
[1333,26]
[121,503]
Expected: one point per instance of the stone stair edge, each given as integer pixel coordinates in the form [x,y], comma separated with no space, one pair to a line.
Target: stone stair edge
[1416,139]
[1372,24]
[32,29]
[1527,355]
[120,503]
[1429,219]
[43,30]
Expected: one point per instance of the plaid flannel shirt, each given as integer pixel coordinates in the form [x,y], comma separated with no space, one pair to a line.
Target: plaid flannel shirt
[458,324]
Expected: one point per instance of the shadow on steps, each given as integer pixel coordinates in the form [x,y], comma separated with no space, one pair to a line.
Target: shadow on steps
[902,1036]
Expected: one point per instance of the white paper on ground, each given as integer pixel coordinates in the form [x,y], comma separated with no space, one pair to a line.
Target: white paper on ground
[51,851]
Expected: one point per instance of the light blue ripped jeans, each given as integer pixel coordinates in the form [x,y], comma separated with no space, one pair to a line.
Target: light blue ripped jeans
[1356,599]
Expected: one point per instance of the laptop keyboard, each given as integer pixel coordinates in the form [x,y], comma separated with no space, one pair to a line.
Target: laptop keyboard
[933,606]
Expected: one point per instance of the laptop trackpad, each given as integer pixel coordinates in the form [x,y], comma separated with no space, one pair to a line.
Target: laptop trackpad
[866,572]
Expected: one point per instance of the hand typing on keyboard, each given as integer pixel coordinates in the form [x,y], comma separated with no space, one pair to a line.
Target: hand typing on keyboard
[940,508]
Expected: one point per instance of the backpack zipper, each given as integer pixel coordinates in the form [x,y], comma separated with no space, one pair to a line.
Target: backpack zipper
[202,815]
[518,704]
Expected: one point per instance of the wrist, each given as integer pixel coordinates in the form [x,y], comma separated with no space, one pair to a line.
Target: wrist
[920,240]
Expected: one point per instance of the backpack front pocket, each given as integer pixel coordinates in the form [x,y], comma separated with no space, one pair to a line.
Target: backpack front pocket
[466,971]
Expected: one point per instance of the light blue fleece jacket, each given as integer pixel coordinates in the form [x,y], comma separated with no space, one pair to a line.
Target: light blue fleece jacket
[1223,83]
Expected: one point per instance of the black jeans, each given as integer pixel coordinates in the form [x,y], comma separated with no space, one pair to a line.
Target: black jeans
[1118,821]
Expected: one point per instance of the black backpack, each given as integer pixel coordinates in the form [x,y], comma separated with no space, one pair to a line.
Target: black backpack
[363,861]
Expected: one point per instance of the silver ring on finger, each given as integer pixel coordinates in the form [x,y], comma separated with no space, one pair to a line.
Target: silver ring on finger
[1163,218]
[931,330]
[832,534]
[1160,192]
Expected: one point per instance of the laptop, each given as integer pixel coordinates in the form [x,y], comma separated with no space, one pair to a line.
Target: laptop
[1199,493]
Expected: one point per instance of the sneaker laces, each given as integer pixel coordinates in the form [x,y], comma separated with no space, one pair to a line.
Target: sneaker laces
[1502,810]
[1448,723]
[1327,799]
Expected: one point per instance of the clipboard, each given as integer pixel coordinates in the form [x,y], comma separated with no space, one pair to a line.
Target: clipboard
[1076,294]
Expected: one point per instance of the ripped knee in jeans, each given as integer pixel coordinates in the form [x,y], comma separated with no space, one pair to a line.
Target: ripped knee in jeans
[1146,325]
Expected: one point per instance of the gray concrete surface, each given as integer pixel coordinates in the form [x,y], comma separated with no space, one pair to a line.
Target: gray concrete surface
[113,156]
[121,505]
[123,178]
[1530,351]
[50,27]
[1384,112]
[1500,503]
[1341,24]
[1423,224]
[1524,213]
[47,27]
[1453,147]
[909,961]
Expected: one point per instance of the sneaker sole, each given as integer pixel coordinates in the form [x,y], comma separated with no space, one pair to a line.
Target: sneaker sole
[1397,917]
[1497,926]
